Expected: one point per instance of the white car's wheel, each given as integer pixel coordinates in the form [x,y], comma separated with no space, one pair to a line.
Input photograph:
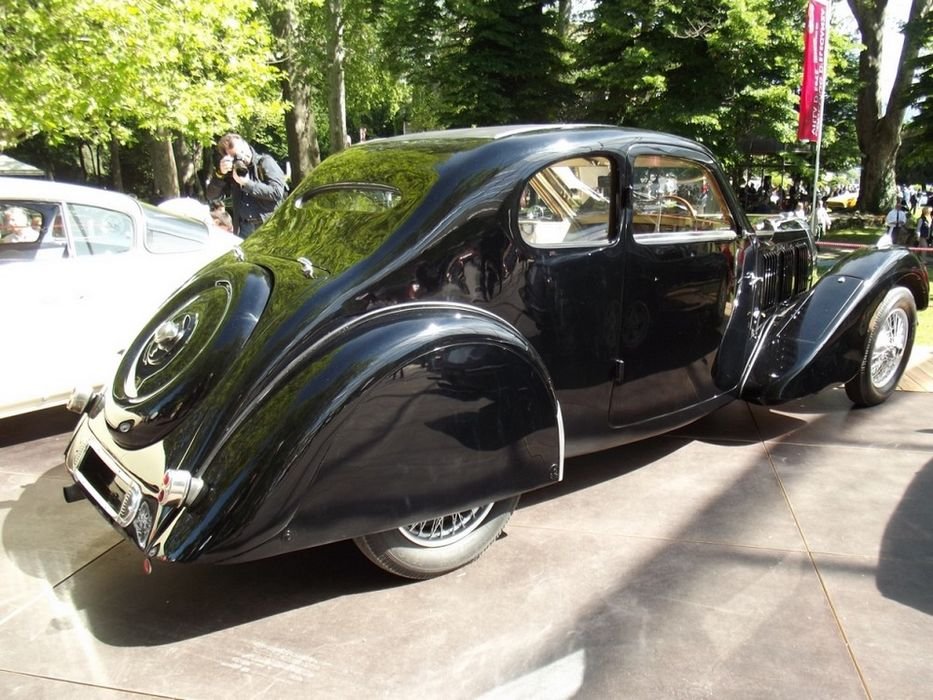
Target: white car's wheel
[887,348]
[439,545]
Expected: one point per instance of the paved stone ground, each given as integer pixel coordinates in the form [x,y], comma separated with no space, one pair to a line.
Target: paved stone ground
[759,553]
[919,374]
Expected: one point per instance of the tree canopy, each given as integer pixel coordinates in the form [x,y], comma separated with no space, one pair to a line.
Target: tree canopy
[725,72]
[101,69]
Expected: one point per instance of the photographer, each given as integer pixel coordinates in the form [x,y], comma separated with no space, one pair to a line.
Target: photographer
[255,181]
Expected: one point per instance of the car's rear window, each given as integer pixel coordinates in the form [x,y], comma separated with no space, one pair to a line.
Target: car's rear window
[351,197]
[171,234]
[349,205]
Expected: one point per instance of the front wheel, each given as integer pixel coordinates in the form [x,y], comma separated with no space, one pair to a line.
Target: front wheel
[887,349]
[437,546]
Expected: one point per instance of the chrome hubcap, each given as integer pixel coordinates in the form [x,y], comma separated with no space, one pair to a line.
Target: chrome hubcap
[440,532]
[889,348]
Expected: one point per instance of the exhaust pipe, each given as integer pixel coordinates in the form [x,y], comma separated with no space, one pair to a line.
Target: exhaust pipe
[73,493]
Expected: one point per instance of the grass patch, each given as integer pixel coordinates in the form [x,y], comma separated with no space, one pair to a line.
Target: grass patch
[865,230]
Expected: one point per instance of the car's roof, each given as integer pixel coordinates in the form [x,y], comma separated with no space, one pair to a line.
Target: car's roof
[50,191]
[493,133]
[597,132]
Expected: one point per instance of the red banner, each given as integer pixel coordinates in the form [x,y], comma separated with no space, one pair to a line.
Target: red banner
[815,47]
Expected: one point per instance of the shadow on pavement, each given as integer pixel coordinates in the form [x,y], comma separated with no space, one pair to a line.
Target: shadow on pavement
[124,607]
[35,425]
[905,565]
[588,470]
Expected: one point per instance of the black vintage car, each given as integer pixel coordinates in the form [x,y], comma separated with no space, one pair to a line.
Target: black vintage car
[431,324]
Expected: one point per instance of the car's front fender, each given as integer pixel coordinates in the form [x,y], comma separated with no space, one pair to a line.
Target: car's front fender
[819,339]
[403,414]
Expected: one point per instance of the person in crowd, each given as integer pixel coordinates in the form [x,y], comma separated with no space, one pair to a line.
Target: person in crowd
[896,223]
[16,228]
[254,180]
[823,222]
[222,219]
[925,227]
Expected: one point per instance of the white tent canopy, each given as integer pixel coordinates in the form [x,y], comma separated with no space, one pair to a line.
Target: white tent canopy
[10,167]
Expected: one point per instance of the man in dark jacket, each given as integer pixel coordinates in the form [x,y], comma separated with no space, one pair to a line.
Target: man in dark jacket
[255,181]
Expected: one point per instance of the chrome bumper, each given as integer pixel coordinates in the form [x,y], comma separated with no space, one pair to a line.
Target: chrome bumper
[97,464]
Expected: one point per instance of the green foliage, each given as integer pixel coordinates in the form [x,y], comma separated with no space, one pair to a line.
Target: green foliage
[503,65]
[915,160]
[477,61]
[719,71]
[840,141]
[96,69]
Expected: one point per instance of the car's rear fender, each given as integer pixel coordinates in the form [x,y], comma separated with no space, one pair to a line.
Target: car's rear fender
[818,339]
[402,414]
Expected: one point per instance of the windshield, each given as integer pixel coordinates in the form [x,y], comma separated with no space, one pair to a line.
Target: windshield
[350,205]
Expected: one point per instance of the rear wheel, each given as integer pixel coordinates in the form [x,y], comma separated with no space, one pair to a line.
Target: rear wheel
[437,546]
[887,349]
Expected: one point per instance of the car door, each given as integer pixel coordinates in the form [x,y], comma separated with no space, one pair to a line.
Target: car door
[567,226]
[61,289]
[680,245]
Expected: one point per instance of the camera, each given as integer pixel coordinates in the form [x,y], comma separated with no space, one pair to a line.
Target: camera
[240,167]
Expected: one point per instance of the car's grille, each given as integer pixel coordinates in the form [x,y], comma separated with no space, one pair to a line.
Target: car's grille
[785,272]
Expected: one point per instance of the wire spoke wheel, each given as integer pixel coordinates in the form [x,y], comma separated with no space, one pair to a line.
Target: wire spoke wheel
[889,348]
[436,546]
[888,341]
[439,532]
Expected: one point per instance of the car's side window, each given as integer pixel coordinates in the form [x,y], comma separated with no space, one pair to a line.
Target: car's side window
[98,231]
[674,195]
[28,231]
[567,204]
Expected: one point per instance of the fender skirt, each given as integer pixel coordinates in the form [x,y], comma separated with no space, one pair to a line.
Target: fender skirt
[818,339]
[404,414]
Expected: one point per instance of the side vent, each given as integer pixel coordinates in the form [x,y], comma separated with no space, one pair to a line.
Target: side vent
[785,273]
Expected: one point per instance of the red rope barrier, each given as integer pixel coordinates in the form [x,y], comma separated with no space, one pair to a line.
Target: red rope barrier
[855,246]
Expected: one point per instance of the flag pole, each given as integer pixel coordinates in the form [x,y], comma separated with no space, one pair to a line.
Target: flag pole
[819,132]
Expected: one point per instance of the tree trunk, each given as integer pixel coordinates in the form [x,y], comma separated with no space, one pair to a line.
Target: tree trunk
[304,153]
[116,169]
[164,172]
[336,98]
[187,161]
[877,188]
[564,8]
[879,135]
[82,162]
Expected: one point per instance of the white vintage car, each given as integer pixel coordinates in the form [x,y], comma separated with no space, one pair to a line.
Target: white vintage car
[81,271]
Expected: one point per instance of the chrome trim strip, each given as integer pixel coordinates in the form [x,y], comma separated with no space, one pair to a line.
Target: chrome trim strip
[560,433]
[684,237]
[133,494]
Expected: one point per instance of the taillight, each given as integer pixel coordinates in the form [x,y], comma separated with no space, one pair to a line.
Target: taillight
[179,488]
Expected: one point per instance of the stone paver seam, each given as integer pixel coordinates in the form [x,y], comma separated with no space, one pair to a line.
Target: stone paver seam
[816,568]
[94,686]
[74,573]
[87,564]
